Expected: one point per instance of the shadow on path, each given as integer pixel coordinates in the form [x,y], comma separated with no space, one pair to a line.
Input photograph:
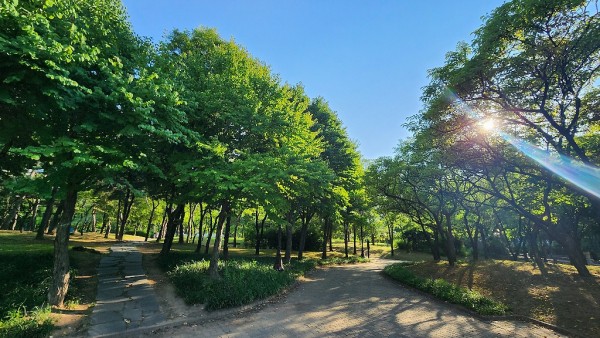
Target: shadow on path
[356,301]
[125,299]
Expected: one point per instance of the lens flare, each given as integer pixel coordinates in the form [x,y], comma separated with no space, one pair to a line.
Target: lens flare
[586,177]
[489,124]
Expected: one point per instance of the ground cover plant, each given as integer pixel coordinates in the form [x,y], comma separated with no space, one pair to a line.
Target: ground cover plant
[447,291]
[560,297]
[243,281]
[24,279]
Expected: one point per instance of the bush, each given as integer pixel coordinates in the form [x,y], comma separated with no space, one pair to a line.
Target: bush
[446,291]
[243,281]
[342,260]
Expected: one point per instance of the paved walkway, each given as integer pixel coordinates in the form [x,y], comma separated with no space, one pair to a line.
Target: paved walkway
[125,299]
[356,301]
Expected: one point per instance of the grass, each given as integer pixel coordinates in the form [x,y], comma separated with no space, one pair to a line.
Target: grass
[447,291]
[561,297]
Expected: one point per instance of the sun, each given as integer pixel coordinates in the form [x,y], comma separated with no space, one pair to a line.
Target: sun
[489,124]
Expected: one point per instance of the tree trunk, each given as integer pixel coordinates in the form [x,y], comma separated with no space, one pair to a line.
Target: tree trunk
[151,218]
[181,235]
[174,219]
[303,233]
[47,215]
[278,262]
[346,239]
[576,257]
[435,248]
[213,267]
[200,226]
[391,236]
[94,221]
[10,221]
[325,232]
[450,249]
[211,229]
[190,223]
[258,227]
[35,207]
[354,234]
[163,223]
[60,274]
[107,218]
[362,242]
[235,230]
[226,237]
[127,204]
[288,238]
[118,218]
[330,236]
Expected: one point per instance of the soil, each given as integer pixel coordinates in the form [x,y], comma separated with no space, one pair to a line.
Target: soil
[561,297]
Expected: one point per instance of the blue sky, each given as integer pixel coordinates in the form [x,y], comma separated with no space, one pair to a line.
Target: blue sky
[368,59]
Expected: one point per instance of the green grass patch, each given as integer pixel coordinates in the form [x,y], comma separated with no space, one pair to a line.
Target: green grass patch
[20,323]
[446,291]
[243,281]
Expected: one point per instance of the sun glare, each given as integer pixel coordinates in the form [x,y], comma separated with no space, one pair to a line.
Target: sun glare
[488,125]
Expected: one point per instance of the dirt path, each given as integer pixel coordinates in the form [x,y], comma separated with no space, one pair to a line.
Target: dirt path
[355,301]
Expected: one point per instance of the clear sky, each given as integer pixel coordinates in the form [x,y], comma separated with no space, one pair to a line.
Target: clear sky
[368,59]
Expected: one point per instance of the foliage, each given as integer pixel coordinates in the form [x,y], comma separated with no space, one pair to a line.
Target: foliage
[242,281]
[446,291]
[25,280]
[22,324]
[342,260]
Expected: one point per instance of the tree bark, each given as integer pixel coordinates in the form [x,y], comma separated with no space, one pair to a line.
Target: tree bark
[346,238]
[213,267]
[127,204]
[163,223]
[34,211]
[107,218]
[151,218]
[60,274]
[288,238]
[325,232]
[278,262]
[226,237]
[200,226]
[303,233]
[56,217]
[47,215]
[174,220]
[11,219]
[211,229]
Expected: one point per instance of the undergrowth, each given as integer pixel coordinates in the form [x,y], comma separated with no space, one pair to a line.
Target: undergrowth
[446,291]
[242,281]
[25,279]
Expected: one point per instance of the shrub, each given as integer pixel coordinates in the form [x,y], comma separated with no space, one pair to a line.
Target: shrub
[446,291]
[342,260]
[243,281]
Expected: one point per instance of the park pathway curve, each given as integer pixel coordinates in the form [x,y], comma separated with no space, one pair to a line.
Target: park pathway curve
[355,301]
[125,299]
